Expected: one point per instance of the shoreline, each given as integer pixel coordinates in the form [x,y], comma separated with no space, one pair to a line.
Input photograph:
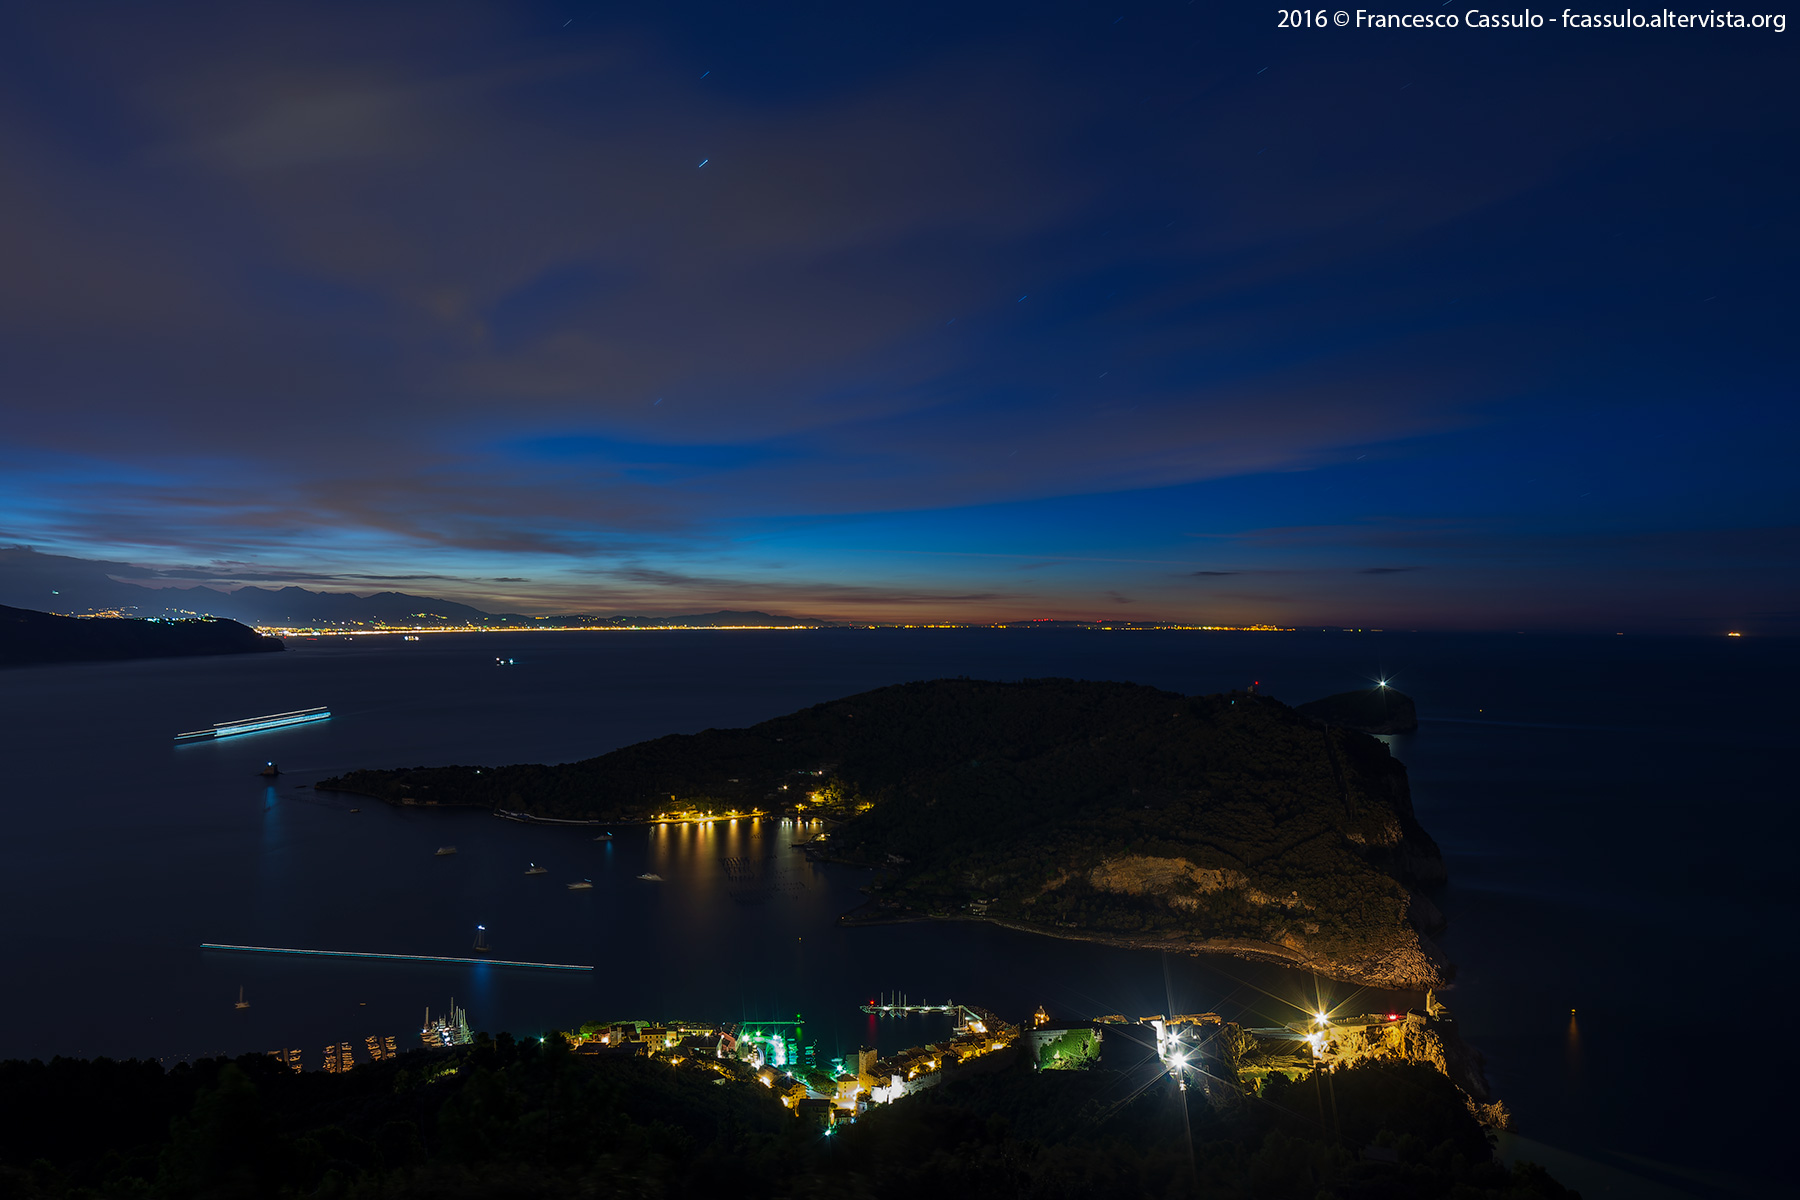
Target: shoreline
[1247,949]
[525,818]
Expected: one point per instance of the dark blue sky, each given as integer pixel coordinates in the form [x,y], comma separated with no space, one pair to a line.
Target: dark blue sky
[1140,310]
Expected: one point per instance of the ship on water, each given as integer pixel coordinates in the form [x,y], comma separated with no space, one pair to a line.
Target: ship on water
[225,729]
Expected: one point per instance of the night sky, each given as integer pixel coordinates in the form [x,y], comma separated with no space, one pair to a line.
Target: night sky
[1148,311]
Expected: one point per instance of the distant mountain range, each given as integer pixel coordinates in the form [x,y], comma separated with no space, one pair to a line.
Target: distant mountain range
[60,584]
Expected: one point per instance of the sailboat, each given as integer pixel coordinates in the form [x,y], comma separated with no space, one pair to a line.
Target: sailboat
[241,1002]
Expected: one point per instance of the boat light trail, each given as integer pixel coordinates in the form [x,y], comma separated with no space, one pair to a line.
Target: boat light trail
[432,958]
[225,729]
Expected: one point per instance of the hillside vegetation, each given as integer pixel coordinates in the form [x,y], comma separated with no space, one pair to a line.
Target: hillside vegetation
[516,1119]
[1108,810]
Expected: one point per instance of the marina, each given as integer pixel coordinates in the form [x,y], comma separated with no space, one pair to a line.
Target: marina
[446,1031]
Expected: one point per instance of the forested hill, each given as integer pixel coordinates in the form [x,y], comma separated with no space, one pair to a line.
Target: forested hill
[27,636]
[1226,822]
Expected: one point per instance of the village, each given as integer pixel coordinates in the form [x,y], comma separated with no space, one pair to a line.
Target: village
[777,1055]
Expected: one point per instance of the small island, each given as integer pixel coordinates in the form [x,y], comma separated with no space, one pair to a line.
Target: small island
[1379,709]
[1106,811]
[29,637]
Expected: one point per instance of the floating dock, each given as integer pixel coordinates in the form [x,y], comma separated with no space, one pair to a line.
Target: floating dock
[430,958]
[225,729]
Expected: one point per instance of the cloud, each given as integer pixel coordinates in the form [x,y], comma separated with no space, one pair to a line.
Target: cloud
[457,306]
[1385,570]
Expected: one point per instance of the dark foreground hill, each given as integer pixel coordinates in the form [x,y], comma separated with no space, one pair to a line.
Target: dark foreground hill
[39,637]
[522,1120]
[1225,823]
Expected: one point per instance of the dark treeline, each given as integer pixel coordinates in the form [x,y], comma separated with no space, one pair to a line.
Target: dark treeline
[501,1118]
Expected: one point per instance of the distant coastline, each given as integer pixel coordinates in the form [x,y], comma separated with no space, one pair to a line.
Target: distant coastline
[675,624]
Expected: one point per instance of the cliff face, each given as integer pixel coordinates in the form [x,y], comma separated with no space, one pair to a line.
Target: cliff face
[1422,1038]
[1215,823]
[27,636]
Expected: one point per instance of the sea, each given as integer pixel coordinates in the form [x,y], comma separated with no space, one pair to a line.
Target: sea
[1617,814]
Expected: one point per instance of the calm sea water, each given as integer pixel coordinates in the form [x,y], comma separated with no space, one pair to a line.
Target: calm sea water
[1617,815]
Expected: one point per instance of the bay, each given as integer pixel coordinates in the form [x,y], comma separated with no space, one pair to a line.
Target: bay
[1613,812]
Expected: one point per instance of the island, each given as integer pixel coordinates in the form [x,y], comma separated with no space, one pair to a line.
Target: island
[1113,812]
[29,637]
[1373,710]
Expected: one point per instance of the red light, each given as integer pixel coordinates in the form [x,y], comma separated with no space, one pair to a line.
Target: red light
[1393,1016]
